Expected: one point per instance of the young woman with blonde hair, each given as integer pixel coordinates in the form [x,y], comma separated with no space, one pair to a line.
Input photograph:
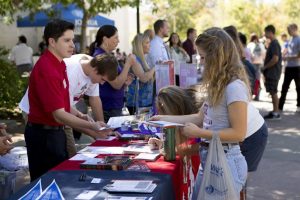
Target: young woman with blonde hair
[144,75]
[226,109]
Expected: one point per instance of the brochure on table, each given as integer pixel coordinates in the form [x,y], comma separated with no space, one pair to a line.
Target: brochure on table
[135,186]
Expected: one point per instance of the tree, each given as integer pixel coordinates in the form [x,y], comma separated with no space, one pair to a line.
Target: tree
[179,13]
[90,9]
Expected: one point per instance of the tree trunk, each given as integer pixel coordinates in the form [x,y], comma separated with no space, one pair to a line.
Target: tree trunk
[83,31]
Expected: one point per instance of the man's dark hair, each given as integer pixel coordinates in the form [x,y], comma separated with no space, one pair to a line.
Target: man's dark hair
[22,39]
[56,28]
[158,25]
[243,38]
[270,28]
[189,31]
[106,64]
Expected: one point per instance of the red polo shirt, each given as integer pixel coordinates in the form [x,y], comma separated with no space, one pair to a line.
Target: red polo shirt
[48,90]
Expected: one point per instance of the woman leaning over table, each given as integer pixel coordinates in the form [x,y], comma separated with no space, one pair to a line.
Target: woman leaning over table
[112,92]
[226,109]
[144,75]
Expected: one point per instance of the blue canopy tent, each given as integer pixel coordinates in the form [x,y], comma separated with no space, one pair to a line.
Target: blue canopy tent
[69,13]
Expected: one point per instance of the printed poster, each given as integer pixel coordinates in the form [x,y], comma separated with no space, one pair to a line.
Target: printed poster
[188,75]
[164,75]
[52,192]
[34,192]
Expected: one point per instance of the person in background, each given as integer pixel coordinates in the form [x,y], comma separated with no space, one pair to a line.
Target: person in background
[112,92]
[258,54]
[42,46]
[189,44]
[285,44]
[158,50]
[144,76]
[149,33]
[250,69]
[272,71]
[292,69]
[21,56]
[119,55]
[49,102]
[177,53]
[5,140]
[247,51]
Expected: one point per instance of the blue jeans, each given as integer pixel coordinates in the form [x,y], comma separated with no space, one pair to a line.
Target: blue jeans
[237,165]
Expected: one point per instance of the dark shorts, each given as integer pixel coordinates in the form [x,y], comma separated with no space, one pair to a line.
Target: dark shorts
[271,85]
[254,146]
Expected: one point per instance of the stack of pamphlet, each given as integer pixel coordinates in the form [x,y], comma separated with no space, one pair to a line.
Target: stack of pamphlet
[135,186]
[139,148]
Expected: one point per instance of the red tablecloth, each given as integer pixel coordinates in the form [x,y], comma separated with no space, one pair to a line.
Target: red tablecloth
[173,168]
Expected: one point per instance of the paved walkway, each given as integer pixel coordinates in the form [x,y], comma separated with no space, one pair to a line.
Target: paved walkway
[278,175]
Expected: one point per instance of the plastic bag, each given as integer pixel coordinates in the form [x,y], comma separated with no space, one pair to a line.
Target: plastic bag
[217,183]
[14,160]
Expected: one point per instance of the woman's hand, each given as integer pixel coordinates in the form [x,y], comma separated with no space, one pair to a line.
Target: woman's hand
[156,118]
[155,143]
[131,59]
[191,130]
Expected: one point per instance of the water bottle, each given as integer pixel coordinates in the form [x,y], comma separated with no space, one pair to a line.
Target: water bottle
[169,143]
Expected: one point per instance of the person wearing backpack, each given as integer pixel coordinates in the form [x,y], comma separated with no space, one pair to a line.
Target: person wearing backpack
[258,53]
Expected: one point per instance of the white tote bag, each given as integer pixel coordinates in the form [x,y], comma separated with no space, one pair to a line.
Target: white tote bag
[217,183]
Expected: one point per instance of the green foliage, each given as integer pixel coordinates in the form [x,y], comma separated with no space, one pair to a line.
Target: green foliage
[179,13]
[90,9]
[249,16]
[12,85]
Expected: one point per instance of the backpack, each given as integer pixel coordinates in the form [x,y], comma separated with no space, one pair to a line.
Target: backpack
[257,50]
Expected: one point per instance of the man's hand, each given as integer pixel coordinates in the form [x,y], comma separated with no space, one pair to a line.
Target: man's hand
[99,126]
[5,144]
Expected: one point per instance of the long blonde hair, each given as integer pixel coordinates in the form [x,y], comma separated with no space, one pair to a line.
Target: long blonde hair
[222,63]
[137,49]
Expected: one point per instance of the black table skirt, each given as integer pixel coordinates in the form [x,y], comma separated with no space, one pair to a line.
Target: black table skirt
[70,186]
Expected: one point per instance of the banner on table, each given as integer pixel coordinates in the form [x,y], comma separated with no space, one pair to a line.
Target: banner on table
[164,74]
[188,75]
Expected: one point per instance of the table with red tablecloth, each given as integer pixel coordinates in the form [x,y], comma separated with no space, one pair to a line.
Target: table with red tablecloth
[173,168]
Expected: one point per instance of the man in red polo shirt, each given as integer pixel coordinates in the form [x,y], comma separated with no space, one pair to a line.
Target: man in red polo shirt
[49,102]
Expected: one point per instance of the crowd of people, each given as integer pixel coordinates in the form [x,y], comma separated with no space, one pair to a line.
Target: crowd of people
[231,77]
